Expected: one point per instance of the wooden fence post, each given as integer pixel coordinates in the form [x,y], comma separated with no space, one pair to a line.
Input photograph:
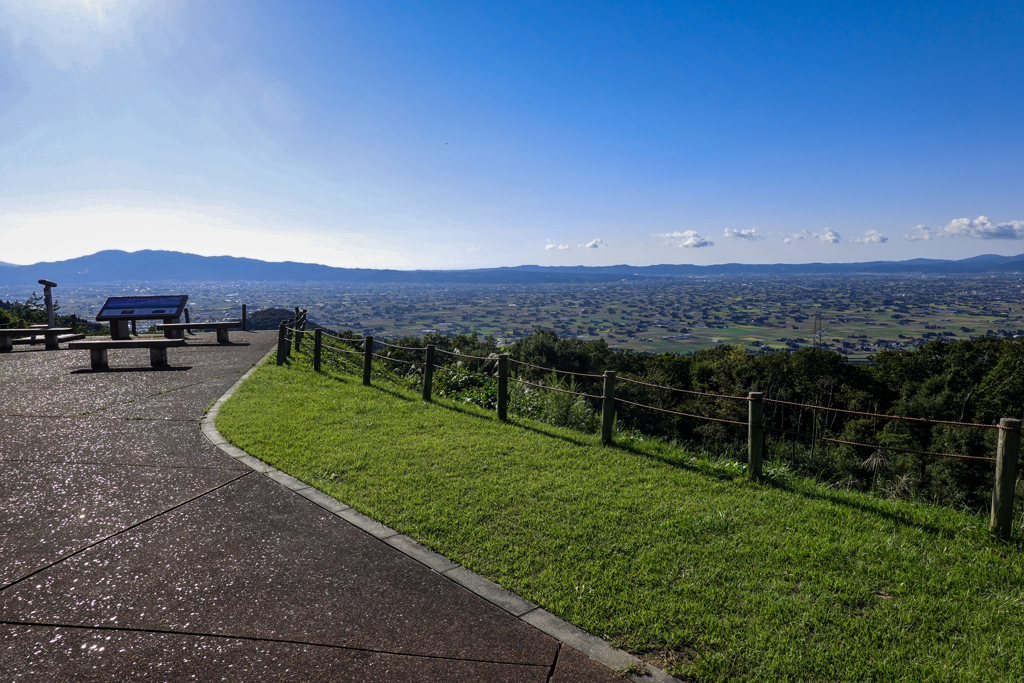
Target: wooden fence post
[367,360]
[1007,452]
[300,330]
[244,318]
[503,387]
[428,373]
[289,334]
[316,350]
[608,407]
[280,342]
[188,319]
[755,434]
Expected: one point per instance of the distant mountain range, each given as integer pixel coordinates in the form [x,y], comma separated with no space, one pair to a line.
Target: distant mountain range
[120,266]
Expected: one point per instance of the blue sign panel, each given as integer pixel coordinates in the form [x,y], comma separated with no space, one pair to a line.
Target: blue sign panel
[142,307]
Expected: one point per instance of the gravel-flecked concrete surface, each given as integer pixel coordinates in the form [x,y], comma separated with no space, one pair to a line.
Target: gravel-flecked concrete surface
[131,548]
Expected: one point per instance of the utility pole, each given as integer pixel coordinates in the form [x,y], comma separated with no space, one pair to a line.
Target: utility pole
[817,330]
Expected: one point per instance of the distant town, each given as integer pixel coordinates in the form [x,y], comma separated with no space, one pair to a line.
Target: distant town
[853,315]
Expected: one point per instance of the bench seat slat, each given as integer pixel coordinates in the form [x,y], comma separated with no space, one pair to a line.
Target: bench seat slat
[125,343]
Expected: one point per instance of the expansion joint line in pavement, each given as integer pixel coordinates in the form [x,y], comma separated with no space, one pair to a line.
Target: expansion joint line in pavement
[124,530]
[554,662]
[284,641]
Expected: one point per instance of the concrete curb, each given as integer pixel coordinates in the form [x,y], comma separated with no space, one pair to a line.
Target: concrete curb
[559,629]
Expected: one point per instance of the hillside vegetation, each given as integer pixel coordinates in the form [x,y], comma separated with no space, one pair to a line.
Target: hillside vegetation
[970,381]
[665,551]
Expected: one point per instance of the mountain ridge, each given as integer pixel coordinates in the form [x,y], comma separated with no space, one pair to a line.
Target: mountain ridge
[113,266]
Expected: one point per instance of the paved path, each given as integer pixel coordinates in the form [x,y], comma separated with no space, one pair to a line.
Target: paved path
[131,548]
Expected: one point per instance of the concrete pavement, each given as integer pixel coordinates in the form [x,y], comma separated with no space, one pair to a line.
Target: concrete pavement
[133,548]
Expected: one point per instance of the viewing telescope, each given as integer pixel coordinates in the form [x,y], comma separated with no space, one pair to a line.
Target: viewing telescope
[48,298]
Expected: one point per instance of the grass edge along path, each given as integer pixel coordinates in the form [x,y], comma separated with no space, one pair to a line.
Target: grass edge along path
[677,559]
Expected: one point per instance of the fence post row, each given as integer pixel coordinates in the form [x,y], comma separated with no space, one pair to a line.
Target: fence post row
[503,387]
[1007,452]
[280,342]
[428,373]
[755,434]
[608,407]
[367,360]
[316,350]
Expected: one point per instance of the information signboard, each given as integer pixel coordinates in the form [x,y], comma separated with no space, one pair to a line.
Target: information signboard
[143,307]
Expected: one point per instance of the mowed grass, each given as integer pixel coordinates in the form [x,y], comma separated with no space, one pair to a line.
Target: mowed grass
[659,552]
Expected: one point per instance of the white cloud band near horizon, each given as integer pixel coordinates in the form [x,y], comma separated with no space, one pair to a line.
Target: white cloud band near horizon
[981,227]
[686,239]
[28,238]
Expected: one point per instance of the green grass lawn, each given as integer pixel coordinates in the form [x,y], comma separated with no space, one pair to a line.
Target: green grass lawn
[658,551]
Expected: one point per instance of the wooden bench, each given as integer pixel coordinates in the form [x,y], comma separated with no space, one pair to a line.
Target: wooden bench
[51,336]
[177,330]
[98,349]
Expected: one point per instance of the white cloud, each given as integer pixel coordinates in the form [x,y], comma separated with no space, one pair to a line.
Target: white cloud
[688,239]
[596,244]
[748,234]
[923,233]
[830,236]
[871,237]
[559,247]
[981,227]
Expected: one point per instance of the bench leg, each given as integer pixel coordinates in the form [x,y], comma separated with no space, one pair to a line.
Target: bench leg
[158,357]
[98,359]
[51,342]
[6,343]
[222,335]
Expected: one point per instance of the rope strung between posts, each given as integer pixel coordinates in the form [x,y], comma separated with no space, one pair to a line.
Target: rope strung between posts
[561,372]
[395,360]
[896,449]
[325,333]
[888,417]
[450,368]
[675,412]
[340,350]
[461,355]
[561,391]
[683,391]
[403,348]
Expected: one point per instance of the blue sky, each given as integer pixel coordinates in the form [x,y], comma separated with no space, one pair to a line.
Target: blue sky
[459,135]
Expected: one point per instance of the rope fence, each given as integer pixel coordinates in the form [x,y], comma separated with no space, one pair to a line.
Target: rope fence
[1008,430]
[887,417]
